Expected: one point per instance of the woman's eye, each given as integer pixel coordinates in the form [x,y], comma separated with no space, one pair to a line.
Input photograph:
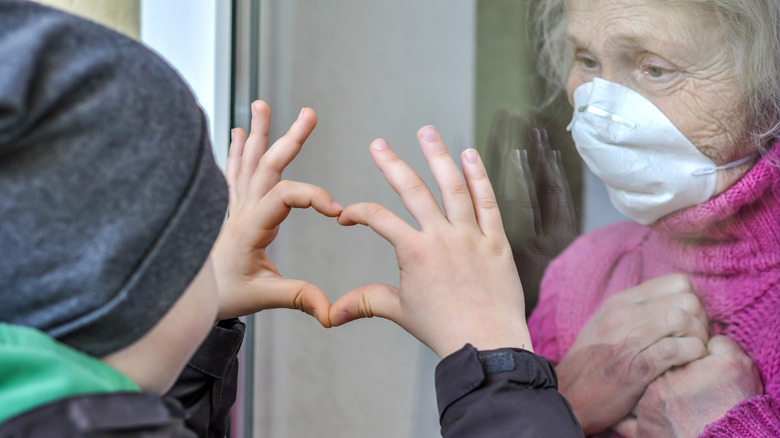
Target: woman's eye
[654,71]
[589,63]
[586,61]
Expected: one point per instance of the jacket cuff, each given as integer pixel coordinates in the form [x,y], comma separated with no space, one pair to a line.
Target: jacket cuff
[756,417]
[467,369]
[216,354]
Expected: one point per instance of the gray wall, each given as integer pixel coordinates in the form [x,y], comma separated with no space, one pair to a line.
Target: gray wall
[382,68]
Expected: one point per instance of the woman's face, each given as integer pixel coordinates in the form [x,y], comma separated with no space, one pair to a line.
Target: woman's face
[672,56]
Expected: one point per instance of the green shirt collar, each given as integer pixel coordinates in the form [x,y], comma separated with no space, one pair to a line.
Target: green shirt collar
[37,370]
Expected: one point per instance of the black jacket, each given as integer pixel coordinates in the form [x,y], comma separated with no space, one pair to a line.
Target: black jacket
[198,406]
[501,393]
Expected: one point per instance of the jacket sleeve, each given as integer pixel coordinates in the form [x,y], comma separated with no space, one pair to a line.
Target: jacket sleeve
[206,389]
[501,393]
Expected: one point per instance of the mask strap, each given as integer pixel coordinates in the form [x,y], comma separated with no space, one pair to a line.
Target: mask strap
[709,170]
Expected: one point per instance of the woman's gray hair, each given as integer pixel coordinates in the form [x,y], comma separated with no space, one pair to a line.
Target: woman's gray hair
[749,27]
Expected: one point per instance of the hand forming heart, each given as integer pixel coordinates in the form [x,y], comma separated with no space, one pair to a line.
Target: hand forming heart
[458,280]
[247,280]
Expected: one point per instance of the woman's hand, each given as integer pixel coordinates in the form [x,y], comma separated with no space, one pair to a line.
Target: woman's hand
[684,400]
[533,195]
[247,280]
[634,337]
[458,282]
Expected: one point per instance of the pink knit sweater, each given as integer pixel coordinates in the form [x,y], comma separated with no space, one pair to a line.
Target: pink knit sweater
[728,246]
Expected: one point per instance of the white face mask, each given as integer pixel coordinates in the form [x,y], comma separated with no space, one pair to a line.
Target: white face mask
[648,165]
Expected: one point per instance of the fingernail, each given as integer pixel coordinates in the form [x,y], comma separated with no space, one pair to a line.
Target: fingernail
[254,111]
[233,135]
[380,144]
[338,206]
[429,133]
[471,156]
[300,113]
[340,318]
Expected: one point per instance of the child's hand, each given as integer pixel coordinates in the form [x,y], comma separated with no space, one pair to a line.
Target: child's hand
[247,280]
[458,279]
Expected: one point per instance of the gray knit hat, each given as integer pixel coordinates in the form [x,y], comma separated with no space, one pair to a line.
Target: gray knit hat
[110,199]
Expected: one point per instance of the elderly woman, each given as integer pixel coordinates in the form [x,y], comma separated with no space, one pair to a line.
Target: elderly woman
[670,326]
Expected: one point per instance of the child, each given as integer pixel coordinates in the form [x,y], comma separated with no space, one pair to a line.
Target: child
[111,203]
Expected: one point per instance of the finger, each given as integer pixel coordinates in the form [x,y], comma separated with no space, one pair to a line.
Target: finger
[497,144]
[733,358]
[514,193]
[366,302]
[566,220]
[681,301]
[285,195]
[455,195]
[550,188]
[256,145]
[536,150]
[282,153]
[483,198]
[667,353]
[233,167]
[658,287]
[666,317]
[391,227]
[530,161]
[282,293]
[626,427]
[530,202]
[414,193]
[673,291]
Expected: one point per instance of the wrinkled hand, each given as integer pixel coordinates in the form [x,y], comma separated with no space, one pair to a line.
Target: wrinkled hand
[684,400]
[247,280]
[634,337]
[533,196]
[458,282]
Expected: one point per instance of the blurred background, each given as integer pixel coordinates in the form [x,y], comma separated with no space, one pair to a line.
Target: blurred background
[370,69]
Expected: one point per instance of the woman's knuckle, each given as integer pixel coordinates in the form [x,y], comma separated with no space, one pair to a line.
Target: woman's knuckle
[614,321]
[676,319]
[668,350]
[640,370]
[681,283]
[697,348]
[689,303]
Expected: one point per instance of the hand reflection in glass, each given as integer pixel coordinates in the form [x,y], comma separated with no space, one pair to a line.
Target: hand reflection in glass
[533,196]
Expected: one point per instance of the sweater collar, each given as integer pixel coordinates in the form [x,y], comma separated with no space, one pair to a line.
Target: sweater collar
[743,221]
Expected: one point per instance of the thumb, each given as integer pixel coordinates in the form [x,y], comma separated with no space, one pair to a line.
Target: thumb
[626,427]
[371,300]
[723,346]
[278,293]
